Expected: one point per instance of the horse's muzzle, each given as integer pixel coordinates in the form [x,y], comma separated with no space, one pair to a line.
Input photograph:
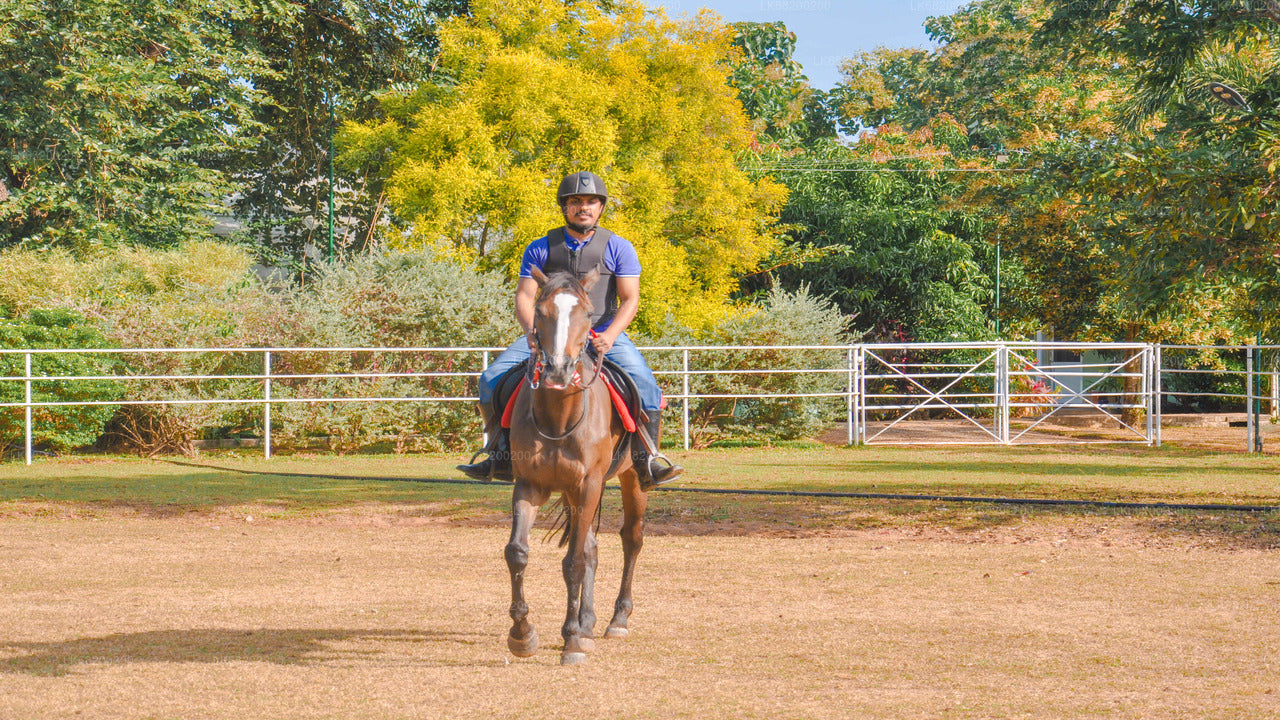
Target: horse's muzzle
[559,373]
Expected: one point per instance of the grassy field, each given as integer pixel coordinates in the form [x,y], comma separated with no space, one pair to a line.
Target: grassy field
[230,586]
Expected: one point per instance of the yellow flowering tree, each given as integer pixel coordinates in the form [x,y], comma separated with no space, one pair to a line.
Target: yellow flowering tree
[531,90]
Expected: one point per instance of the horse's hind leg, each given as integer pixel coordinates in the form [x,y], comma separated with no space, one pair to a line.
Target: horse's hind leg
[633,506]
[525,501]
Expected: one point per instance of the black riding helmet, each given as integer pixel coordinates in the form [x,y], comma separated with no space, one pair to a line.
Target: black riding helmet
[582,183]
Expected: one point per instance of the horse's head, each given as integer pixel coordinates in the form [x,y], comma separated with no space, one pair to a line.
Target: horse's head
[562,324]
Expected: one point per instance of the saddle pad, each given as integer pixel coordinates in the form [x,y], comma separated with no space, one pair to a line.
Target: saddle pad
[619,403]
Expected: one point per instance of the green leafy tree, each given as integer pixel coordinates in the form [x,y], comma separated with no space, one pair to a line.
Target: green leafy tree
[901,258]
[1188,193]
[327,61]
[114,111]
[773,90]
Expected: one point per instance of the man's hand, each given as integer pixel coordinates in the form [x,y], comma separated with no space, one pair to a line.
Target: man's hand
[602,342]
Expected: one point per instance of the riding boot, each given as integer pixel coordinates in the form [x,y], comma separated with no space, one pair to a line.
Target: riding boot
[497,466]
[649,465]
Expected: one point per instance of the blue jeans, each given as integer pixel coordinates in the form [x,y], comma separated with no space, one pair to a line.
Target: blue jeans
[623,352]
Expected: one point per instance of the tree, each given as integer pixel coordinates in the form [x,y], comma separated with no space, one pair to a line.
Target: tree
[113,112]
[1065,224]
[530,90]
[327,61]
[901,258]
[1190,191]
[773,90]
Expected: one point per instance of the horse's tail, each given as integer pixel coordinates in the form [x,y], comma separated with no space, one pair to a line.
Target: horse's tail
[564,516]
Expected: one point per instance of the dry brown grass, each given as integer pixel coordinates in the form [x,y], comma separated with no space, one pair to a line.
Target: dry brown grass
[374,612]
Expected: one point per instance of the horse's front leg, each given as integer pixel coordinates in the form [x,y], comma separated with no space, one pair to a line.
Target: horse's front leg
[525,501]
[581,555]
[587,610]
[634,502]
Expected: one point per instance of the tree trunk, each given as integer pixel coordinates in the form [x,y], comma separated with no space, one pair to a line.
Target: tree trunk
[1132,394]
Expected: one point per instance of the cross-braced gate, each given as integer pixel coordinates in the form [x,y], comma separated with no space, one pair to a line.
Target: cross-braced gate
[1005,393]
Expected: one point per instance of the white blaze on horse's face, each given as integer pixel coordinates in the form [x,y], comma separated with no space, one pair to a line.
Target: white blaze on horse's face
[565,303]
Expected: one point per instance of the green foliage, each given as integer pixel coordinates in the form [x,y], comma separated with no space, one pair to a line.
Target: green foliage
[781,318]
[326,55]
[416,300]
[774,93]
[113,112]
[909,263]
[58,428]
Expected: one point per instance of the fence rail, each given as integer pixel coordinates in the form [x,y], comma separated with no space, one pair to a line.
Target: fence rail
[985,393]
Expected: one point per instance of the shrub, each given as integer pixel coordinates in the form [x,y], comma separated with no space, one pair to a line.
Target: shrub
[393,300]
[58,428]
[200,295]
[782,318]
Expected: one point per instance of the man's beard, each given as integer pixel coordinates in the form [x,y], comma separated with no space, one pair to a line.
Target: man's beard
[578,227]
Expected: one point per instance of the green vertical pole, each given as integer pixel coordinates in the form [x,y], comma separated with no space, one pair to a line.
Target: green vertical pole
[997,289]
[331,123]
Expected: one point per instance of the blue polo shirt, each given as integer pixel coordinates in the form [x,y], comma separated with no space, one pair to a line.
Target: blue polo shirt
[620,257]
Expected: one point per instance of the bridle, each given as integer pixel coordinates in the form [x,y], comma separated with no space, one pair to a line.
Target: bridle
[533,375]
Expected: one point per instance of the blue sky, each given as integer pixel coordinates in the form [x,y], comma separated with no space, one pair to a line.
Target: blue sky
[828,31]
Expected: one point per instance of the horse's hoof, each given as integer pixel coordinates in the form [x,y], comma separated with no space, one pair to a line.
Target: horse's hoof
[523,648]
[586,644]
[573,658]
[616,632]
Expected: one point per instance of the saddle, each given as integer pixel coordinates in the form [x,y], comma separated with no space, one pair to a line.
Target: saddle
[622,391]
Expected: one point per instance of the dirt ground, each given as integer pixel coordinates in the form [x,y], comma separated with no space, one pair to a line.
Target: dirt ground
[370,614]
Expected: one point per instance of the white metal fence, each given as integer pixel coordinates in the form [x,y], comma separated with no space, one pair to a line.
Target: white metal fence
[947,393]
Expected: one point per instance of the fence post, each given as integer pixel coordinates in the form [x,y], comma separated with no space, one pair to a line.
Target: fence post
[484,365]
[860,412]
[849,409]
[1255,409]
[1250,421]
[27,409]
[1002,392]
[266,405]
[684,366]
[1157,377]
[1148,391]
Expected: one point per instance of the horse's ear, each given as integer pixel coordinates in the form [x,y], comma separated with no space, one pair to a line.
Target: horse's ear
[538,276]
[591,278]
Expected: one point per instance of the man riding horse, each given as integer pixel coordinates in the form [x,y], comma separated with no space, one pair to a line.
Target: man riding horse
[578,247]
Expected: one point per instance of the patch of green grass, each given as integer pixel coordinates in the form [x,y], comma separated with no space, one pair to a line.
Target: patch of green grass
[299,485]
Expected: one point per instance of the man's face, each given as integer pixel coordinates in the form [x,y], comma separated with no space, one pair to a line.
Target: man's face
[582,212]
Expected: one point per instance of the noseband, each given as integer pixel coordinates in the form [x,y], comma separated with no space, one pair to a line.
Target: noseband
[533,373]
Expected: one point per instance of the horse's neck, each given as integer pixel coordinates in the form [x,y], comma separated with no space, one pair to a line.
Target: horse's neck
[557,411]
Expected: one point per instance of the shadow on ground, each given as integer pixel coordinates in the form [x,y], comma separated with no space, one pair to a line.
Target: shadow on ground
[217,645]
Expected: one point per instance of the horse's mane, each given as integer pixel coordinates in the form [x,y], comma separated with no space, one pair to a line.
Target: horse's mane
[561,280]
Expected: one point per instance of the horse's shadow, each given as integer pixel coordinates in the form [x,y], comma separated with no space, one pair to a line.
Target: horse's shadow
[218,645]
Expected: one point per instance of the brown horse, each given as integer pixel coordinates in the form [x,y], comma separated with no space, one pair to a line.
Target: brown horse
[563,436]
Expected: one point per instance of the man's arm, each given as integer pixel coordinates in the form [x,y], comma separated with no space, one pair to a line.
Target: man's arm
[526,293]
[628,292]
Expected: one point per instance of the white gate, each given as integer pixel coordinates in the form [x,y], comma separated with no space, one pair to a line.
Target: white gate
[997,393]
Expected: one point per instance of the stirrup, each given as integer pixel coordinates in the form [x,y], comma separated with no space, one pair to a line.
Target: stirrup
[482,470]
[670,471]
